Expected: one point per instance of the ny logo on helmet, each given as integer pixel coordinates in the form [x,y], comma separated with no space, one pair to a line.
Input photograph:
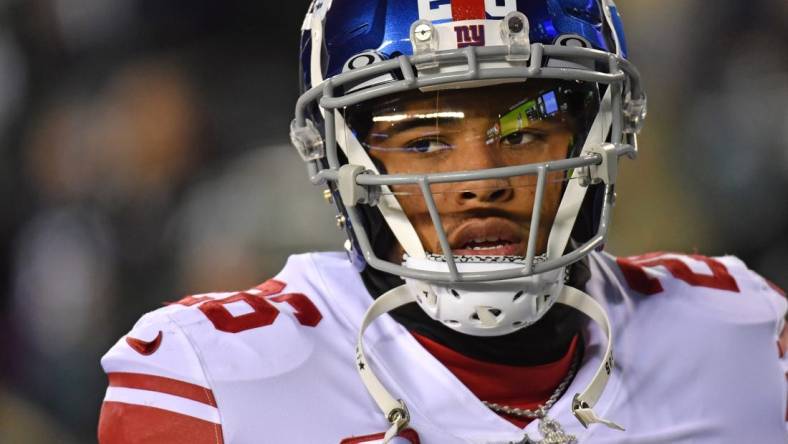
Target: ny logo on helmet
[469,35]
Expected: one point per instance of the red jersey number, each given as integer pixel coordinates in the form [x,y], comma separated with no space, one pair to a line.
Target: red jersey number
[634,269]
[263,311]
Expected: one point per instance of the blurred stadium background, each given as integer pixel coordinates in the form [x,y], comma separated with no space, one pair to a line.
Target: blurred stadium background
[144,156]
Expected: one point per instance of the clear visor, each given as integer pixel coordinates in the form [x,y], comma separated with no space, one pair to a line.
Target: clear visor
[470,129]
[474,128]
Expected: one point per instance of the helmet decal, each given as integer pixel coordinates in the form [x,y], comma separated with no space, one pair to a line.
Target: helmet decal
[438,11]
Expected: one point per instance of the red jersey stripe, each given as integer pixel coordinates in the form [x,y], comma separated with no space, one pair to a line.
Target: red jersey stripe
[163,385]
[121,423]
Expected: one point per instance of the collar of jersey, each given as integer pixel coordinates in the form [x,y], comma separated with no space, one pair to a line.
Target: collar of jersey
[432,392]
[524,387]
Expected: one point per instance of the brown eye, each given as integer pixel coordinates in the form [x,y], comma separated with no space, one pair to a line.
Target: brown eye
[430,145]
[519,138]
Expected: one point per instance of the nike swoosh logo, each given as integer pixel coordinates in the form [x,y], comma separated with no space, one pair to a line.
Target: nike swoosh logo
[145,348]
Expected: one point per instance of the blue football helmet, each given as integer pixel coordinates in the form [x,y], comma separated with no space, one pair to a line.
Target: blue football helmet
[371,68]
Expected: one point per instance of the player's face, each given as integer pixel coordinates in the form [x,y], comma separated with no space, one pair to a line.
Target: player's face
[473,129]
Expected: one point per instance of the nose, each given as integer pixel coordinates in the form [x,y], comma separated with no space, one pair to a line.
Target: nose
[476,154]
[485,191]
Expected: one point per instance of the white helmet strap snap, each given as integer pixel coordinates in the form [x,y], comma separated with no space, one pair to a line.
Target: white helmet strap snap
[396,411]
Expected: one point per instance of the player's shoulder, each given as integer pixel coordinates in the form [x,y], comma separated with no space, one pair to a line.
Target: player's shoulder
[190,338]
[156,345]
[179,364]
[722,285]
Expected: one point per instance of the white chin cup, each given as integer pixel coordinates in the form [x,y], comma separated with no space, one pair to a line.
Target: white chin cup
[492,308]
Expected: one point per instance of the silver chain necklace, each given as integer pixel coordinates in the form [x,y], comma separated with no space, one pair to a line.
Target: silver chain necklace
[541,410]
[551,430]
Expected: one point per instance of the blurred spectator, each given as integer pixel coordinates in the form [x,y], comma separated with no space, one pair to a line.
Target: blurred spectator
[23,422]
[236,228]
[106,167]
[734,142]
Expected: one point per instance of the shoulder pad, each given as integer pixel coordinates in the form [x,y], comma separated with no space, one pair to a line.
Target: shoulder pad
[157,346]
[264,331]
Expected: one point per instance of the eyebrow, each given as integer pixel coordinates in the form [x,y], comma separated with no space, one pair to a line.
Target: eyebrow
[403,122]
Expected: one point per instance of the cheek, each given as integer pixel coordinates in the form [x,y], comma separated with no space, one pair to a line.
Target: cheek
[525,194]
[412,202]
[552,197]
[559,144]
[410,198]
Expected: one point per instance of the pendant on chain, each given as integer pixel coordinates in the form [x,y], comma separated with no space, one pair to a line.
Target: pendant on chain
[552,433]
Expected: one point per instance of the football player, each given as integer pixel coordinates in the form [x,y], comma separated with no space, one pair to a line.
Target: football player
[471,148]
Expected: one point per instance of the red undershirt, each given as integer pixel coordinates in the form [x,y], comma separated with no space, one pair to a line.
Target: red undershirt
[523,387]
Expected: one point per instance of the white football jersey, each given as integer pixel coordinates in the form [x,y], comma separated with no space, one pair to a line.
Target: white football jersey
[695,348]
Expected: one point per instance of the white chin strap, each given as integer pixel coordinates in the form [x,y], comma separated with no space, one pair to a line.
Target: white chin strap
[395,410]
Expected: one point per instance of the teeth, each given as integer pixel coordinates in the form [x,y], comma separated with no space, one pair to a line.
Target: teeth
[486,243]
[487,248]
[486,239]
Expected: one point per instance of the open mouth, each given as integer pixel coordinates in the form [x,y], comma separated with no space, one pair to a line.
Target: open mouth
[493,236]
[490,246]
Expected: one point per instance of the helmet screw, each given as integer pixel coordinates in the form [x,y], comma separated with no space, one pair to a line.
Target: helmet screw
[515,24]
[340,221]
[328,196]
[423,32]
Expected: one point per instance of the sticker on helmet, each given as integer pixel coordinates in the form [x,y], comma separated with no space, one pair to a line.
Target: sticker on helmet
[439,11]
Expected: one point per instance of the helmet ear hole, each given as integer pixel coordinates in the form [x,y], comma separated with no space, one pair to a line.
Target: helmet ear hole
[517,295]
[455,293]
